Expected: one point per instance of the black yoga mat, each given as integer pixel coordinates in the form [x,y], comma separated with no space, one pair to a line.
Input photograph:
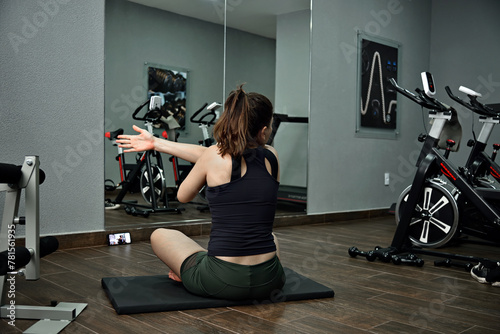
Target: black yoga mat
[141,294]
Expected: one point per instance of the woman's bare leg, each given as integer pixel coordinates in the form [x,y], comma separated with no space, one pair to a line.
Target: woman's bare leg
[173,247]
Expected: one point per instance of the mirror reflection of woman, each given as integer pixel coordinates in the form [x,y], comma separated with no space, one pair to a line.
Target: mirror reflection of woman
[242,175]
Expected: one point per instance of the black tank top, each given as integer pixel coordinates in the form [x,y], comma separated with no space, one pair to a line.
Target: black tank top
[243,209]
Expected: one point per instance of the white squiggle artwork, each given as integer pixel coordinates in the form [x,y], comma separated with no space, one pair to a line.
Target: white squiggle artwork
[386,118]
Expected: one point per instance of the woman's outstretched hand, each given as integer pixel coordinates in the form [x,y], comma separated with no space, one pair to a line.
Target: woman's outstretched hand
[144,141]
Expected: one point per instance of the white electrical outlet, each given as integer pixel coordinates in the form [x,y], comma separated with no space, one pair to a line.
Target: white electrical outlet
[386,179]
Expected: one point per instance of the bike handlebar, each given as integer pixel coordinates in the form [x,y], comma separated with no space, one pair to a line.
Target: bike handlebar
[148,116]
[473,105]
[207,119]
[202,119]
[422,99]
[134,115]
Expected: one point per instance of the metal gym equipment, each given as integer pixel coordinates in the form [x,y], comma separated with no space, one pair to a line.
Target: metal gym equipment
[25,261]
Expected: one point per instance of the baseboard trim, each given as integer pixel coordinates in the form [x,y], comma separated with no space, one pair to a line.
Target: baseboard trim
[98,238]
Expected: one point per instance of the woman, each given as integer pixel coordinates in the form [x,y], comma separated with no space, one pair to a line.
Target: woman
[242,177]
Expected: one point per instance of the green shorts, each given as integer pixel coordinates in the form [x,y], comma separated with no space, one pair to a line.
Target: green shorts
[209,276]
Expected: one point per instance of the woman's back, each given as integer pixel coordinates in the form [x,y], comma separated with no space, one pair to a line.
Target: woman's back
[243,209]
[219,169]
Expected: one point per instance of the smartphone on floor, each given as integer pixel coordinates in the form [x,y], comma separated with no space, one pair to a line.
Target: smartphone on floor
[119,239]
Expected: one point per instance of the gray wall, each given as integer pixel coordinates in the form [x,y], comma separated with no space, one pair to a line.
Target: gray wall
[465,53]
[292,94]
[52,104]
[444,37]
[346,172]
[250,59]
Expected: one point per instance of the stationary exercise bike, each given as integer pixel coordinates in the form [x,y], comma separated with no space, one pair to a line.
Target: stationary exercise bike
[153,189]
[147,171]
[479,165]
[441,200]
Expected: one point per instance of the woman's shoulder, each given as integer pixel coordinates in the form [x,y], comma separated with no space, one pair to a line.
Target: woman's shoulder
[218,168]
[213,149]
[272,149]
[212,154]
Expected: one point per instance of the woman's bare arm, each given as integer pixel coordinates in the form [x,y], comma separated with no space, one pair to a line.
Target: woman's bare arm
[145,141]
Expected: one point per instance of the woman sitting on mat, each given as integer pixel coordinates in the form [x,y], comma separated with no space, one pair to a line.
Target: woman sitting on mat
[242,175]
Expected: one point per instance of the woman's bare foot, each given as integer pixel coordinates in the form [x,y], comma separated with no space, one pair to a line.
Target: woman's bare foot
[173,276]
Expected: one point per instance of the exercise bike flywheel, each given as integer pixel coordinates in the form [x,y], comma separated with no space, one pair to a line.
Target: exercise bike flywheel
[435,219]
[154,183]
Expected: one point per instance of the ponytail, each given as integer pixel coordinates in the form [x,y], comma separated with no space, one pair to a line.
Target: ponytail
[243,117]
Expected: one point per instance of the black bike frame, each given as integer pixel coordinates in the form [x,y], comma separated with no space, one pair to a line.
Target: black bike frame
[135,170]
[479,163]
[435,163]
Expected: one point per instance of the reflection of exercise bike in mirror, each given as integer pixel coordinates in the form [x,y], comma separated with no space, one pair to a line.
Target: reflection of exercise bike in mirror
[147,171]
[204,121]
[428,213]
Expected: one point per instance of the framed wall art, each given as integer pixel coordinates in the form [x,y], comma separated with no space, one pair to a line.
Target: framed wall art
[378,61]
[170,84]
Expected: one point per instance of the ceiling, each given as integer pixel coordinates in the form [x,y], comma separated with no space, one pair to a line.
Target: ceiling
[254,16]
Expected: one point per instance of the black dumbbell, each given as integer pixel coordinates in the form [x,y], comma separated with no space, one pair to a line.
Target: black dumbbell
[449,263]
[383,254]
[354,251]
[410,259]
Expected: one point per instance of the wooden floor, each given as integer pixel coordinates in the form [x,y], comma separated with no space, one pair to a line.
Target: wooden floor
[370,297]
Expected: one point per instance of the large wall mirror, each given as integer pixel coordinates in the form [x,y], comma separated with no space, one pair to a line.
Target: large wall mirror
[210,47]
